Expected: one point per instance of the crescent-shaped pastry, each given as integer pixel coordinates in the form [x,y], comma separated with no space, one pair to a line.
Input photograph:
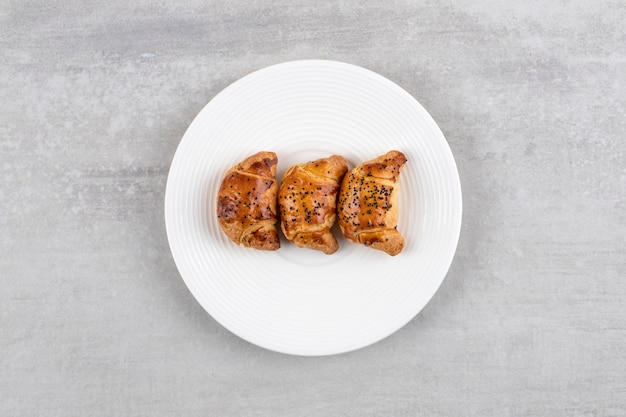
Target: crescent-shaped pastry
[246,202]
[307,200]
[367,208]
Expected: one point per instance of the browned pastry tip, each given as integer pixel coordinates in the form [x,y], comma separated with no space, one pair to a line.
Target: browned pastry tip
[261,163]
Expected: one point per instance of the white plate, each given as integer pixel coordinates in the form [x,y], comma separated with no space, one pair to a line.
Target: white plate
[294,300]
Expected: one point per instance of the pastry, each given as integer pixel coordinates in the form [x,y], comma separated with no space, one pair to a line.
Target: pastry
[246,202]
[307,202]
[367,208]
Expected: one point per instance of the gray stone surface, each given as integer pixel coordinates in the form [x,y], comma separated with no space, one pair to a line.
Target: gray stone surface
[94,318]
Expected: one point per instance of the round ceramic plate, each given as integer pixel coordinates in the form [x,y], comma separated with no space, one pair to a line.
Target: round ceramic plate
[295,300]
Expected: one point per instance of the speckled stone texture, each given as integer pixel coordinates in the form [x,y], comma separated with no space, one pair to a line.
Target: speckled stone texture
[94,318]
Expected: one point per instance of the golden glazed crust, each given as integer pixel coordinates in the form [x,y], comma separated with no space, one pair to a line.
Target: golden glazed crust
[246,202]
[367,207]
[307,202]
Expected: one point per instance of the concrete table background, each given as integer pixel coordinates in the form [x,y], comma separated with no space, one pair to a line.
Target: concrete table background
[94,318]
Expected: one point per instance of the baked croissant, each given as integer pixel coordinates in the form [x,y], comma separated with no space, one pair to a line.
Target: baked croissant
[367,205]
[246,202]
[307,202]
